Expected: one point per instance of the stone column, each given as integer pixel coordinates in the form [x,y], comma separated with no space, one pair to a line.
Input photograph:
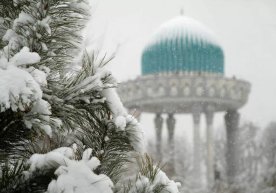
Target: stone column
[197,146]
[158,129]
[171,126]
[231,123]
[210,146]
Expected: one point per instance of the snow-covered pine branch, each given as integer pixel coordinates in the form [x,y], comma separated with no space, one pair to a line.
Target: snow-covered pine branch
[42,95]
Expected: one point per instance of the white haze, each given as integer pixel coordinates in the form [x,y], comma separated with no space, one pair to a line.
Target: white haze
[246,30]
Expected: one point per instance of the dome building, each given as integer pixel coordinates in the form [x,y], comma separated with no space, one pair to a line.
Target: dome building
[183,73]
[183,45]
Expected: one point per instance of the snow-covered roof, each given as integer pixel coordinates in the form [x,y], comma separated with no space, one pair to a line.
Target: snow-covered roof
[183,44]
[183,26]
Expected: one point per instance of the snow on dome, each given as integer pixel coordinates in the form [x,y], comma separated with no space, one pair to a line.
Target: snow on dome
[183,45]
[183,26]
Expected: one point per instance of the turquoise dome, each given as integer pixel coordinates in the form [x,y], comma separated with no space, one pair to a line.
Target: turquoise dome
[183,44]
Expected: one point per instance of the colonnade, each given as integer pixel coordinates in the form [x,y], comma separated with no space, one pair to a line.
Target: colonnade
[231,122]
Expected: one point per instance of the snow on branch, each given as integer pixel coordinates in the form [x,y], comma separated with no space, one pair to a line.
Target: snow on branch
[151,178]
[18,89]
[72,175]
[123,120]
[160,181]
[24,57]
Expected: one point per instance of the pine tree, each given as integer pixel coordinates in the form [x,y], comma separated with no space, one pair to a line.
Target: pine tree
[64,130]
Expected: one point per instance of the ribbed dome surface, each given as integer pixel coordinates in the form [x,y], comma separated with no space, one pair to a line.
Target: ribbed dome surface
[183,44]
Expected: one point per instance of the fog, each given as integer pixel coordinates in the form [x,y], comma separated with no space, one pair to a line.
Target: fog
[245,29]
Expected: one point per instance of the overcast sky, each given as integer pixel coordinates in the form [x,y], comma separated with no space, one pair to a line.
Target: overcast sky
[245,28]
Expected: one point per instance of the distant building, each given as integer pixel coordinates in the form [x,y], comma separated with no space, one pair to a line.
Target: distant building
[183,72]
